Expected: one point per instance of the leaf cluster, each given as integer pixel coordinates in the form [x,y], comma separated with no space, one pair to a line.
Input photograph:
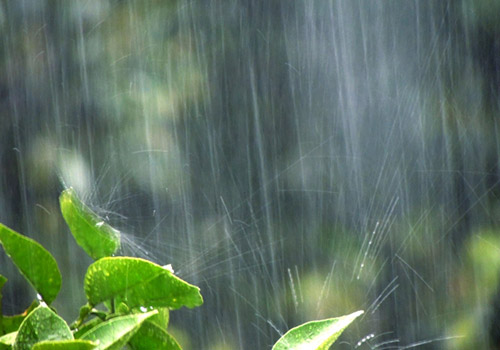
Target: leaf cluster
[135,294]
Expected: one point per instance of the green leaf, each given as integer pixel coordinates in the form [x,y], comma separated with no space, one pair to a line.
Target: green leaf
[315,335]
[161,318]
[95,236]
[34,262]
[84,328]
[151,336]
[8,339]
[115,333]
[75,344]
[138,282]
[12,323]
[41,324]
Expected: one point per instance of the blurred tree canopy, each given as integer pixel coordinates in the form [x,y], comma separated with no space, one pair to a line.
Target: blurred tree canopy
[260,146]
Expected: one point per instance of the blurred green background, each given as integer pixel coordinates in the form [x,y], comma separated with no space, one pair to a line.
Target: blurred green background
[295,159]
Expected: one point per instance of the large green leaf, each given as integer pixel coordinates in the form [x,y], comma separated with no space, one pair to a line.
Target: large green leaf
[151,336]
[95,236]
[41,324]
[74,344]
[315,335]
[138,282]
[115,333]
[34,262]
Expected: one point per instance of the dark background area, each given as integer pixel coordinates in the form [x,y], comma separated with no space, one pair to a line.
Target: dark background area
[295,159]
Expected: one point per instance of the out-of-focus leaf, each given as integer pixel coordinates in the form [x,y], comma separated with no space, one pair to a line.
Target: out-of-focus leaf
[95,236]
[138,282]
[315,335]
[151,336]
[41,324]
[115,333]
[74,344]
[8,339]
[34,262]
[12,323]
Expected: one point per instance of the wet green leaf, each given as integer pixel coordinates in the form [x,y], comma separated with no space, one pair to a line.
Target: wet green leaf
[41,324]
[34,262]
[95,236]
[151,336]
[115,333]
[315,335]
[74,344]
[138,283]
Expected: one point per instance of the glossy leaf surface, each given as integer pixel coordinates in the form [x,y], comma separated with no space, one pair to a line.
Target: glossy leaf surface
[138,282]
[74,344]
[115,333]
[96,237]
[34,262]
[41,324]
[315,335]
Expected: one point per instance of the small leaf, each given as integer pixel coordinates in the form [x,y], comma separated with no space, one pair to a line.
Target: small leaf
[8,339]
[151,336]
[74,344]
[91,233]
[315,335]
[122,309]
[138,282]
[41,324]
[115,333]
[34,262]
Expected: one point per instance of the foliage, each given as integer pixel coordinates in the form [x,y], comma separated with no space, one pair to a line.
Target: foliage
[96,237]
[315,335]
[136,293]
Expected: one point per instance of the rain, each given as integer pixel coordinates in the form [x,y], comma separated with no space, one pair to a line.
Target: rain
[296,160]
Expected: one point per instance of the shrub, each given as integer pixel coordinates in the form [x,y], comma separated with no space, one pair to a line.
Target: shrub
[128,299]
